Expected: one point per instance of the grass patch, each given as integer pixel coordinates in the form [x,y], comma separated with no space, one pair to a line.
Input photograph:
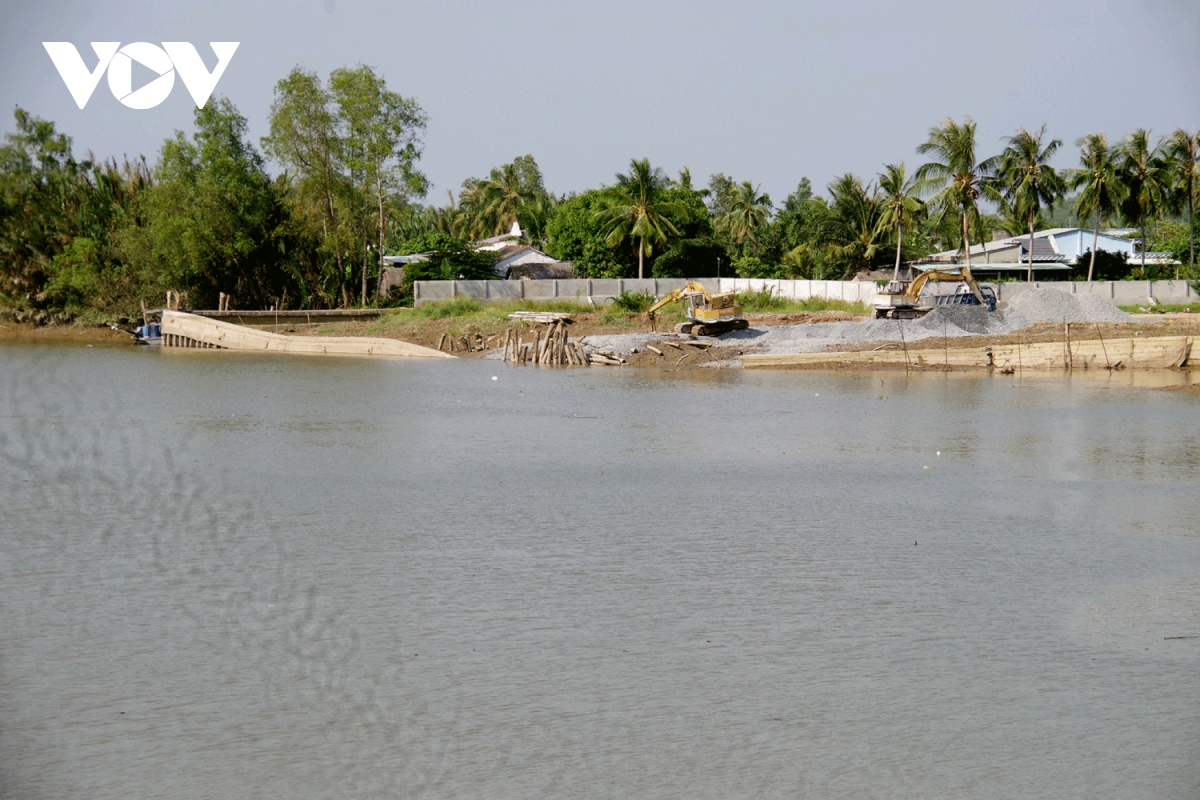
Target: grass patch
[1165,308]
[470,308]
[631,303]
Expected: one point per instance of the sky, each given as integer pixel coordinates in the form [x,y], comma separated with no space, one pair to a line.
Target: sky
[768,91]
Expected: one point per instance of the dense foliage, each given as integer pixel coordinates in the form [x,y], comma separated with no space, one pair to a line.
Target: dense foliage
[89,239]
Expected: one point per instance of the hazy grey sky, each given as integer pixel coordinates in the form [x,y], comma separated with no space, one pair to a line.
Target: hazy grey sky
[764,91]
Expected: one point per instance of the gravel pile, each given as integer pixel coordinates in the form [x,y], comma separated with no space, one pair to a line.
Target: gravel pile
[1051,305]
[1025,309]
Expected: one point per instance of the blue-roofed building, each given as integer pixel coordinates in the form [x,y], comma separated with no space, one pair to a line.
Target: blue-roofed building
[1055,252]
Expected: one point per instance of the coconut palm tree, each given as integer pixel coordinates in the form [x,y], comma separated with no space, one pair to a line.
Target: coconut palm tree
[748,211]
[500,197]
[851,225]
[637,213]
[1143,171]
[509,192]
[960,178]
[902,206]
[1012,222]
[1181,148]
[1100,191]
[1027,180]
[684,182]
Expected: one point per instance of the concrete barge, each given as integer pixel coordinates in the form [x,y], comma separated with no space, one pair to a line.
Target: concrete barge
[180,329]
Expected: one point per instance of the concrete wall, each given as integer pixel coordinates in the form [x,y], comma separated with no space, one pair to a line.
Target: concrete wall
[1119,293]
[601,292]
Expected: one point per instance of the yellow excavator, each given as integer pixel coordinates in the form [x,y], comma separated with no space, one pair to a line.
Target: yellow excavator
[707,314]
[903,299]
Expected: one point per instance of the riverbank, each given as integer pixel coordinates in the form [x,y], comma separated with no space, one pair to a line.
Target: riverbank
[472,330]
[28,332]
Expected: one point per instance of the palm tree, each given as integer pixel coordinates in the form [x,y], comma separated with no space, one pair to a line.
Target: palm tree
[509,192]
[1143,172]
[1100,192]
[684,182]
[473,222]
[1028,181]
[963,179]
[748,211]
[637,213]
[501,196]
[1182,148]
[901,205]
[852,223]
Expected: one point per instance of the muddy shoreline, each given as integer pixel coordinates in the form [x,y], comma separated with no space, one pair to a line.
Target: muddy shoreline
[684,357]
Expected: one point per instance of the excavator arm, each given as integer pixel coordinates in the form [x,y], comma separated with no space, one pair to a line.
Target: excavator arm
[674,297]
[958,274]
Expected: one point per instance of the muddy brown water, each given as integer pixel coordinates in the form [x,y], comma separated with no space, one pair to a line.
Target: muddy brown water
[226,575]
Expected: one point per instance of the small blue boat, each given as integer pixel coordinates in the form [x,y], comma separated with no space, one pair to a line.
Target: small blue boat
[150,333]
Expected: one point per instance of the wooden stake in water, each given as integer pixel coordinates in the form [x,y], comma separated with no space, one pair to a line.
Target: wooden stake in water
[1107,362]
[904,344]
[946,343]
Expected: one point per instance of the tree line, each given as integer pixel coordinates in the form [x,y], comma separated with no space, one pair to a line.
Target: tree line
[91,239]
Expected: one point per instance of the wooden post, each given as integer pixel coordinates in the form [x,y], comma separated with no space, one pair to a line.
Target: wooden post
[1103,347]
[1068,361]
[899,324]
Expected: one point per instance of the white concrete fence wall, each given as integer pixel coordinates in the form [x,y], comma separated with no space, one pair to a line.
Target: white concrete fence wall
[601,292]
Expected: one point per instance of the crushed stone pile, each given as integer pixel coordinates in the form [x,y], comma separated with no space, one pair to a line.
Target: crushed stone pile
[1052,305]
[1025,309]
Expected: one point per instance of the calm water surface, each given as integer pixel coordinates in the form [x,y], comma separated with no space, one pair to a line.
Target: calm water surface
[230,576]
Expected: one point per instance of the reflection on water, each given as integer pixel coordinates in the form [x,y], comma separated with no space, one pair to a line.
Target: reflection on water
[252,577]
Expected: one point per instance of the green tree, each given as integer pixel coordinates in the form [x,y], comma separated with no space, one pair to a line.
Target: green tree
[1143,171]
[684,182]
[638,212]
[959,177]
[575,233]
[449,258]
[719,194]
[381,143]
[1184,171]
[852,225]
[692,258]
[1099,191]
[305,139]
[213,220]
[1027,180]
[902,205]
[510,192]
[38,178]
[747,211]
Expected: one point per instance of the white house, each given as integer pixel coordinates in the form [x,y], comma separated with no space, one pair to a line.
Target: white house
[527,260]
[521,256]
[514,237]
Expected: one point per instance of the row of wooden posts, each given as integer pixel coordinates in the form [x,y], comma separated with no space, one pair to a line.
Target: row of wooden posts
[556,347]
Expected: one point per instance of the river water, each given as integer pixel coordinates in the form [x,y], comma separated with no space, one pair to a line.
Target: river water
[225,575]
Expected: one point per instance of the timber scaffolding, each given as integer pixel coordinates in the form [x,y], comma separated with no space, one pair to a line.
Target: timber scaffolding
[1111,353]
[185,330]
[555,348]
